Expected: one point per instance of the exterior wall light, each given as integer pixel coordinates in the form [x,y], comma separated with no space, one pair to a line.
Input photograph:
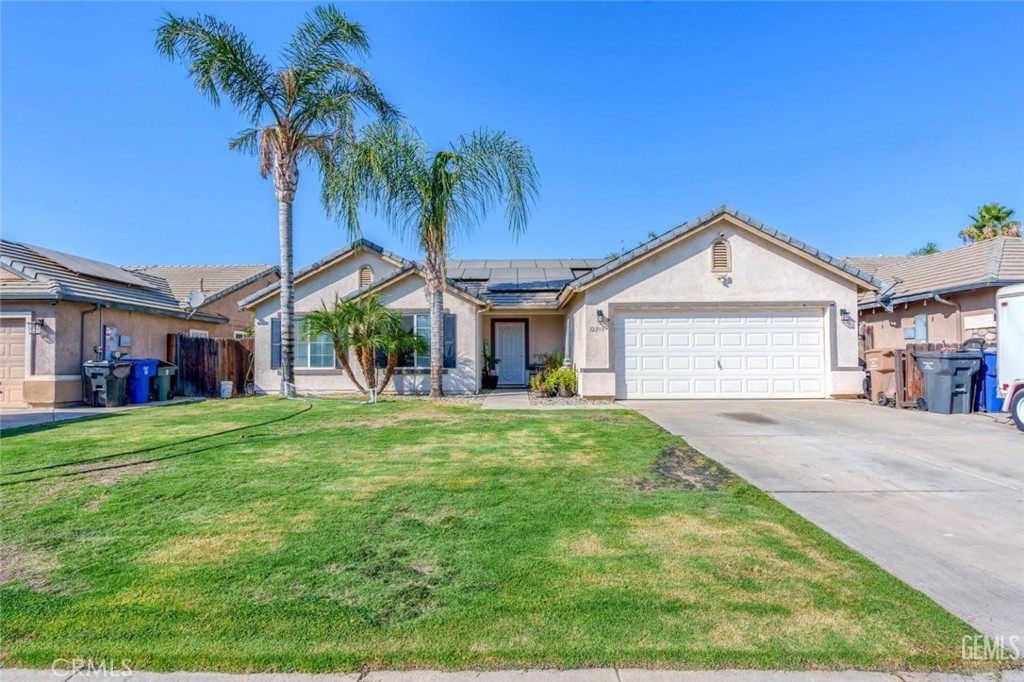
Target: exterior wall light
[845,316]
[35,327]
[601,316]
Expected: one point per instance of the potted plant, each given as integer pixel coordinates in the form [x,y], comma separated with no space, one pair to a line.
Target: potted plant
[490,377]
[563,381]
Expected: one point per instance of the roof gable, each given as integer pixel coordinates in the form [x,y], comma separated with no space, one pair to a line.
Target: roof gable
[327,261]
[690,227]
[411,269]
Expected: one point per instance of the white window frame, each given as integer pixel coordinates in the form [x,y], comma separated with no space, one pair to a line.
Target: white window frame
[239,336]
[307,344]
[199,333]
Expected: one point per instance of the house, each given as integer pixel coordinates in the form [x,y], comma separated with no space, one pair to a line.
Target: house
[722,306]
[947,297]
[56,308]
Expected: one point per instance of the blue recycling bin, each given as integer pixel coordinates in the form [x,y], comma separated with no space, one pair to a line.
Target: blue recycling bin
[143,369]
[989,393]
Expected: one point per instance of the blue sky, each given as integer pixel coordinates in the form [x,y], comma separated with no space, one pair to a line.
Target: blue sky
[860,128]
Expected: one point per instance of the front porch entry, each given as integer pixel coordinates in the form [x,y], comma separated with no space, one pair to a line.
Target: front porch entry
[510,347]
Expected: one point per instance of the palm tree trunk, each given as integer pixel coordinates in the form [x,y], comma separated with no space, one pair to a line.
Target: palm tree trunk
[342,355]
[388,371]
[284,226]
[437,342]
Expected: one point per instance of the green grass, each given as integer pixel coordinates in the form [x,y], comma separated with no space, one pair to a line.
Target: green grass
[415,535]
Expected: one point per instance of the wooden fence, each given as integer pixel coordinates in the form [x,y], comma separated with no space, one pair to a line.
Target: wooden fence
[204,363]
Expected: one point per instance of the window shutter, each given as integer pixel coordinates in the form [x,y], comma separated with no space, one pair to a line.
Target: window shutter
[449,341]
[275,343]
[720,258]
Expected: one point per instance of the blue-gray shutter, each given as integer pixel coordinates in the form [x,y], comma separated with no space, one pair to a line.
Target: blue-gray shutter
[275,343]
[449,341]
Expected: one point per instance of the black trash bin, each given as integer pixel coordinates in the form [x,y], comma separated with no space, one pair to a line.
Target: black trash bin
[105,383]
[949,379]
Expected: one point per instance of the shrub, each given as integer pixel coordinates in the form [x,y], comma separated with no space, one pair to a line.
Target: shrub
[564,377]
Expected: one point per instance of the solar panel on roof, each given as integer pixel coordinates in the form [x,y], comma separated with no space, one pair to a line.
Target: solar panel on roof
[92,268]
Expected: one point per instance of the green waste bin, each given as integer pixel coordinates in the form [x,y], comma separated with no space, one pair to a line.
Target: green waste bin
[162,381]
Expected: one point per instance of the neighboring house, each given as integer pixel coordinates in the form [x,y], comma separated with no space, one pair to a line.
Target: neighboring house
[946,297]
[719,307]
[55,308]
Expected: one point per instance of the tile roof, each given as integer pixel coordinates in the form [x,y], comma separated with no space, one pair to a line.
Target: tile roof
[992,262]
[703,220]
[520,283]
[216,281]
[323,262]
[53,275]
[402,271]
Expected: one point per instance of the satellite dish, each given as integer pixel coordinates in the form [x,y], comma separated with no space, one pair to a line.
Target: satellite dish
[195,299]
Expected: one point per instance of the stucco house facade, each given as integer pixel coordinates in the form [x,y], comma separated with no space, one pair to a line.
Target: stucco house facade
[55,308]
[946,298]
[722,306]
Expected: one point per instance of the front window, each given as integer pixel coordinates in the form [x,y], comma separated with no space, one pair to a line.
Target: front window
[315,353]
[419,323]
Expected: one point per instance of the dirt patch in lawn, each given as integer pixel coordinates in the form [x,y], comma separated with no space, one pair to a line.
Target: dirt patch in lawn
[682,467]
[32,566]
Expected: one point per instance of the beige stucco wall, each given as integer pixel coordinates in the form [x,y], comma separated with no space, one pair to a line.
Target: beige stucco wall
[407,294]
[764,275]
[946,323]
[546,330]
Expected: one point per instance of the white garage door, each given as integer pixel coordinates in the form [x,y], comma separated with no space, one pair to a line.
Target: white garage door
[720,355]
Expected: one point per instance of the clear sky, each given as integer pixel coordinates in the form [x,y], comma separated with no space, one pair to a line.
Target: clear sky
[859,128]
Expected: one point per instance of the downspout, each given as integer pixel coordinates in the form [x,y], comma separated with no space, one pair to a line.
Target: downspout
[81,330]
[959,315]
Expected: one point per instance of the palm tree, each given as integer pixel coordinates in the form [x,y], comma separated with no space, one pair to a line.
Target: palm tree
[992,220]
[433,197]
[366,328]
[300,113]
[926,250]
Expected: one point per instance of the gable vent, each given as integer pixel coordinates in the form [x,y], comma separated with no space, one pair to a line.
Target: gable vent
[365,276]
[721,258]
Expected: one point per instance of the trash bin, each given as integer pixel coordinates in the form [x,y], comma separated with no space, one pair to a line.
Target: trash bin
[143,369]
[162,381]
[881,366]
[104,383]
[989,394]
[949,379]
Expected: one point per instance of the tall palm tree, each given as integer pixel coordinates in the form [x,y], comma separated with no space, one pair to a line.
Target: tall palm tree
[365,328]
[433,196]
[301,112]
[991,220]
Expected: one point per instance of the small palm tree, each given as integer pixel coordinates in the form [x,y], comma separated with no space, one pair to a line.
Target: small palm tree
[991,220]
[926,250]
[300,113]
[364,328]
[432,197]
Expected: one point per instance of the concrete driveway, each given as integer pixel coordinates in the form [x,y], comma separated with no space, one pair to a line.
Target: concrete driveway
[936,500]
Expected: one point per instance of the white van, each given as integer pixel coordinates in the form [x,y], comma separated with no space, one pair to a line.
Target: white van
[1010,351]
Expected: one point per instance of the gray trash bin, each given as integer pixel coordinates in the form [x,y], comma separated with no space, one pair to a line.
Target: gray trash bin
[105,383]
[949,379]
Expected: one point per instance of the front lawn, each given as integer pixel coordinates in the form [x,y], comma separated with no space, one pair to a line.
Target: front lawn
[417,535]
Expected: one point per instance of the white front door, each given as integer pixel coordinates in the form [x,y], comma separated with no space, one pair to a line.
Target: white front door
[510,348]
[742,354]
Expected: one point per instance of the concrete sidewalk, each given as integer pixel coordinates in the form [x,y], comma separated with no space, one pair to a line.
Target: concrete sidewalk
[589,675]
[16,418]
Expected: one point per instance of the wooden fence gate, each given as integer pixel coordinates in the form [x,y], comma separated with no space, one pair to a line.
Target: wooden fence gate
[204,363]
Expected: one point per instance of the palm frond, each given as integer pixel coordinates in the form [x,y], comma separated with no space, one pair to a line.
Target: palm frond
[221,61]
[326,37]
